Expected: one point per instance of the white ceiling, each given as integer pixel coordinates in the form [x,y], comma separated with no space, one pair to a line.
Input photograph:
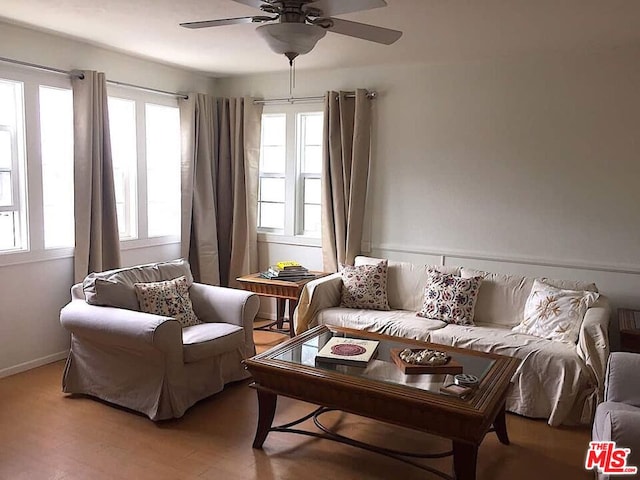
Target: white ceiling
[435,31]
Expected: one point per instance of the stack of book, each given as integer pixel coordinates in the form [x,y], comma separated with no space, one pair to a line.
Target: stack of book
[288,270]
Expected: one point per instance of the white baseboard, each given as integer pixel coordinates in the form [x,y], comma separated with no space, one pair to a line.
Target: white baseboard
[38,362]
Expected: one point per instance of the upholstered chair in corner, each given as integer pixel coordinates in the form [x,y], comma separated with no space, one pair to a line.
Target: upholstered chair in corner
[150,362]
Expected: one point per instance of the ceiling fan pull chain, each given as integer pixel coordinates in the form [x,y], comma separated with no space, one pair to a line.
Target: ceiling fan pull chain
[290,78]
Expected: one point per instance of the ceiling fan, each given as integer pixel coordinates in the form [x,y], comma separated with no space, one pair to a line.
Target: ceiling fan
[293,27]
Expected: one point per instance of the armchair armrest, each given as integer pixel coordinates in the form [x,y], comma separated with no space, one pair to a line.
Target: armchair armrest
[316,295]
[227,305]
[593,341]
[622,372]
[117,326]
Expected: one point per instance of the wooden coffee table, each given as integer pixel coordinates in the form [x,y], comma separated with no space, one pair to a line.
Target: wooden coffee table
[381,391]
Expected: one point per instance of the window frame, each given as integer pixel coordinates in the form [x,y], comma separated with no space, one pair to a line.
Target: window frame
[293,232]
[141,98]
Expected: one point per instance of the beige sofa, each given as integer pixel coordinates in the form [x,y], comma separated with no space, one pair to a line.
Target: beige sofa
[557,381]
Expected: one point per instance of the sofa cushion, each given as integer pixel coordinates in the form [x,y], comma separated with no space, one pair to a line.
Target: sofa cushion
[169,298]
[210,339]
[450,298]
[114,288]
[401,323]
[406,281]
[549,370]
[365,286]
[502,297]
[554,313]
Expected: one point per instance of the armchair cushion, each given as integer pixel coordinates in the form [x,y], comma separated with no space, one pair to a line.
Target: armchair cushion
[169,298]
[114,288]
[211,339]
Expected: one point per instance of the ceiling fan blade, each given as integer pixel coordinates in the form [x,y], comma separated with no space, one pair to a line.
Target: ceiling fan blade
[217,23]
[253,3]
[330,8]
[365,31]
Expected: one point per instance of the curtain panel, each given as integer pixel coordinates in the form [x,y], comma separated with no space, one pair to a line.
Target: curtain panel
[346,151]
[220,156]
[97,242]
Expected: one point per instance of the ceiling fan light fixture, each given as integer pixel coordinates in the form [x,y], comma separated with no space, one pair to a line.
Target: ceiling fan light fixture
[291,39]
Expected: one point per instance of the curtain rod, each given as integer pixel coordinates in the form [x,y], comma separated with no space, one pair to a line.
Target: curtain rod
[371,94]
[76,72]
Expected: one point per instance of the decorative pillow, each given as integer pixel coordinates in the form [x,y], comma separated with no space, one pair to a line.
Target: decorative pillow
[554,313]
[169,298]
[365,286]
[450,298]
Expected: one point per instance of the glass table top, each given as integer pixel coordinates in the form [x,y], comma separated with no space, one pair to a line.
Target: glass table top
[382,368]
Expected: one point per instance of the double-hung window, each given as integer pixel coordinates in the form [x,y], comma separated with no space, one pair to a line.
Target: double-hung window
[13,218]
[145,144]
[290,167]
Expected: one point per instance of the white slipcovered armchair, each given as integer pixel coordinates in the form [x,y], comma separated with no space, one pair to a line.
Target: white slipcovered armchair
[148,362]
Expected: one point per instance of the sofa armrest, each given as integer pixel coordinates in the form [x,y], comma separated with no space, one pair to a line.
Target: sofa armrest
[118,326]
[622,372]
[316,295]
[593,341]
[226,305]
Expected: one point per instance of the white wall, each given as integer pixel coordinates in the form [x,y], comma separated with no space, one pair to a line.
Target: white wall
[31,294]
[521,165]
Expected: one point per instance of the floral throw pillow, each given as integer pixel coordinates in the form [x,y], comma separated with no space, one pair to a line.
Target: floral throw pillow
[450,298]
[554,313]
[365,286]
[169,298]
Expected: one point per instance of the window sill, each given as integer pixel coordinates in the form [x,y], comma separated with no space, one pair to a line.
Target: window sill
[299,240]
[137,243]
[18,257]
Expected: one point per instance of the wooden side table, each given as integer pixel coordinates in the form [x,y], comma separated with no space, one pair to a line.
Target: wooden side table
[629,325]
[282,291]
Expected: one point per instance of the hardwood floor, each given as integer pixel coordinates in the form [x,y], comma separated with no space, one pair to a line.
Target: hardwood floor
[45,434]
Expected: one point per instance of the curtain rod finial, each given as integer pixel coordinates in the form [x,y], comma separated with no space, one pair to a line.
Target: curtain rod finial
[77,74]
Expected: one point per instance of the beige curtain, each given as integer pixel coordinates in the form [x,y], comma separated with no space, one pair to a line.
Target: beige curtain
[220,155]
[97,243]
[347,138]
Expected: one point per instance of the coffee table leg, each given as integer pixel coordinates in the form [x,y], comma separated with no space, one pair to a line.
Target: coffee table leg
[465,456]
[266,411]
[500,426]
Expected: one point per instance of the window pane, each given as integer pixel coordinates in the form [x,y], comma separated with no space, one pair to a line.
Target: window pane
[272,189]
[8,230]
[312,190]
[13,229]
[312,218]
[6,197]
[272,215]
[273,160]
[163,169]
[312,159]
[122,125]
[10,101]
[5,149]
[313,129]
[56,141]
[274,130]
